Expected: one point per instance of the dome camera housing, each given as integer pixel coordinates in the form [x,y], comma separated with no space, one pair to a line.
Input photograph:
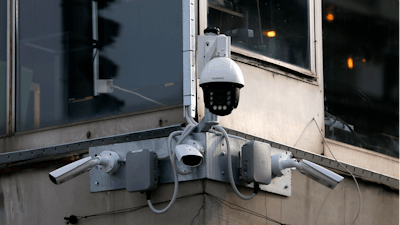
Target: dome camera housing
[221,81]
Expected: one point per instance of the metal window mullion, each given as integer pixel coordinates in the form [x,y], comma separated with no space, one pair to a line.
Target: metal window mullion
[318,43]
[8,61]
[203,9]
[311,5]
[12,35]
[96,53]
[188,51]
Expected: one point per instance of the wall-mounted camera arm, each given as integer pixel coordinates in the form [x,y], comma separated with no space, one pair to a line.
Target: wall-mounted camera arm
[207,122]
[72,170]
[318,173]
[107,161]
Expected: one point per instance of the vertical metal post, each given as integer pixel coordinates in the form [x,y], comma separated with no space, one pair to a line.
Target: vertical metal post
[95,35]
[8,61]
[57,88]
[313,35]
[12,36]
[189,56]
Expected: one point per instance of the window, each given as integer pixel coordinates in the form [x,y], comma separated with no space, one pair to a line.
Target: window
[272,28]
[136,44]
[3,65]
[361,73]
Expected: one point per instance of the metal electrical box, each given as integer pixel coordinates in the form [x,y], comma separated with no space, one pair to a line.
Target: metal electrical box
[256,162]
[141,170]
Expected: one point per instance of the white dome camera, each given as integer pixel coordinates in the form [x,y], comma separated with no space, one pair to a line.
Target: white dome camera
[221,81]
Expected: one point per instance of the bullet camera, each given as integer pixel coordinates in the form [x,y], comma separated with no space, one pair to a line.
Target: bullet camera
[221,81]
[107,161]
[280,162]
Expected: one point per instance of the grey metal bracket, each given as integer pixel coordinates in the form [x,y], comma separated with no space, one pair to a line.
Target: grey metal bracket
[207,121]
[325,161]
[215,165]
[105,85]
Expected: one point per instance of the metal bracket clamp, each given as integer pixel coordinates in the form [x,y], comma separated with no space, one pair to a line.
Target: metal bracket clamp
[105,85]
[207,122]
[108,162]
[214,166]
[211,46]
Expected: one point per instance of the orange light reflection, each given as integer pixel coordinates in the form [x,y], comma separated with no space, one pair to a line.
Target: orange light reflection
[350,63]
[330,17]
[269,33]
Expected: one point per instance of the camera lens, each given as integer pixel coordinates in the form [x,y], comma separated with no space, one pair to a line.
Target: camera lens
[219,98]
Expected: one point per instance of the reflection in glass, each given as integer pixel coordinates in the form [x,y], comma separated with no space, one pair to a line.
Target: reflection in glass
[274,28]
[361,73]
[3,65]
[139,46]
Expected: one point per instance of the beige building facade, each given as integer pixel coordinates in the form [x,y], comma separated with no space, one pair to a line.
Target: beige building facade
[279,103]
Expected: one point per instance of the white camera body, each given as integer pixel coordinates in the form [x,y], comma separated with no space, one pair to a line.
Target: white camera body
[107,161]
[220,77]
[188,155]
[281,163]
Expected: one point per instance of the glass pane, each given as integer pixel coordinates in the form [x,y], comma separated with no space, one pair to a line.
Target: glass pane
[57,51]
[361,73]
[3,65]
[274,28]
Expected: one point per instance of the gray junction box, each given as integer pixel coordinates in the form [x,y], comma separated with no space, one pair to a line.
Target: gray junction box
[256,162]
[141,170]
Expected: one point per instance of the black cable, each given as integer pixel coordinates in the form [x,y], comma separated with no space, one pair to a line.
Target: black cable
[132,209]
[95,54]
[242,209]
[198,213]
[125,210]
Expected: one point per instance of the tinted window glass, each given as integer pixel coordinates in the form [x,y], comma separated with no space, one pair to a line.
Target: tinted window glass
[278,29]
[139,47]
[3,65]
[361,73]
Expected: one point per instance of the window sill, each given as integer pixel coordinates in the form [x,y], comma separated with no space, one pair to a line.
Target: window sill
[71,124]
[286,66]
[272,65]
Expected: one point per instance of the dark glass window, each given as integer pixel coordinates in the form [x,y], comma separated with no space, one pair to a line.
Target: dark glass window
[3,65]
[139,47]
[277,29]
[361,73]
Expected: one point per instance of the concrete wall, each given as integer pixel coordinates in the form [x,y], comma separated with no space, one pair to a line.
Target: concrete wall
[310,203]
[28,197]
[276,107]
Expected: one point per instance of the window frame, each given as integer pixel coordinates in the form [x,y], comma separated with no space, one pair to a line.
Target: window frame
[189,19]
[313,18]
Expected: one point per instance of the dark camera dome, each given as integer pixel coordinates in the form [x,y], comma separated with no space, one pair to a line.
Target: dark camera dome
[221,97]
